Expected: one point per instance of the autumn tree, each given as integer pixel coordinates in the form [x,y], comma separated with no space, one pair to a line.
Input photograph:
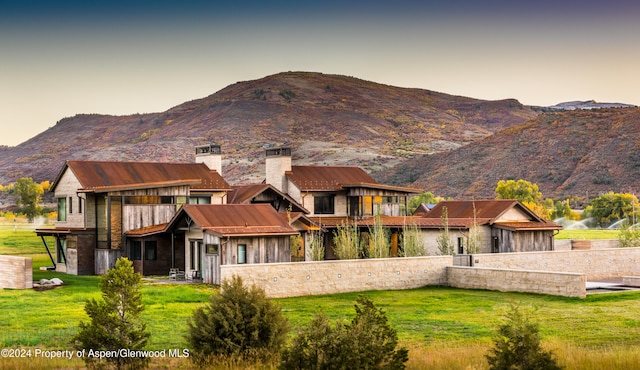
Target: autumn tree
[29,197]
[611,207]
[521,190]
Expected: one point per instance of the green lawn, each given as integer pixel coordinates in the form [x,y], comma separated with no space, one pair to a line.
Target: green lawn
[427,319]
[588,234]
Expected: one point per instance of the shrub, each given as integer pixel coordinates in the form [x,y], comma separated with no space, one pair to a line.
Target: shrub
[517,345]
[629,235]
[115,321]
[238,322]
[368,342]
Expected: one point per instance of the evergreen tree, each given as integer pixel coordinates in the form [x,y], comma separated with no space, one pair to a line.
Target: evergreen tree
[368,342]
[517,345]
[115,322]
[238,322]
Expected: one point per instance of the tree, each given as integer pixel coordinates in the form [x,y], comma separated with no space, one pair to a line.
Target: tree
[315,251]
[378,239]
[522,190]
[115,321]
[445,246]
[611,207]
[411,241]
[346,240]
[629,235]
[517,345]
[239,322]
[368,342]
[423,198]
[29,197]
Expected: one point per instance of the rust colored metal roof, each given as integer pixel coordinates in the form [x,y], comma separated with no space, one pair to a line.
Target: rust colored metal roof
[514,226]
[237,219]
[102,176]
[336,178]
[487,209]
[147,230]
[243,194]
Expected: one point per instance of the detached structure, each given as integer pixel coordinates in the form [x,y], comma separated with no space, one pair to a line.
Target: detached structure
[503,225]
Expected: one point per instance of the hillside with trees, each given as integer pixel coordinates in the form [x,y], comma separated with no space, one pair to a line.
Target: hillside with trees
[581,153]
[327,119]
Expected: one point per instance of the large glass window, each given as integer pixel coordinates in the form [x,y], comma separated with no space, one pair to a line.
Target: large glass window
[62,209]
[148,199]
[324,204]
[200,200]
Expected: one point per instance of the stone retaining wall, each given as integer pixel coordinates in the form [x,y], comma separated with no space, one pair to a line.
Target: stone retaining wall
[596,264]
[504,280]
[633,281]
[328,277]
[15,272]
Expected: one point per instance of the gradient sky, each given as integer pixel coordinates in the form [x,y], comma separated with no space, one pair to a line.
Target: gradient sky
[62,58]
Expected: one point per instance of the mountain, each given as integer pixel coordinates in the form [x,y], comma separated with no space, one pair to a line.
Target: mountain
[571,153]
[327,119]
[588,104]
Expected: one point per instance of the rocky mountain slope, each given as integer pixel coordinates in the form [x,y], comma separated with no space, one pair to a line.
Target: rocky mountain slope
[327,119]
[573,153]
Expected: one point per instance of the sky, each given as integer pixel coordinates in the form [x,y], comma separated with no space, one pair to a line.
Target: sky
[62,58]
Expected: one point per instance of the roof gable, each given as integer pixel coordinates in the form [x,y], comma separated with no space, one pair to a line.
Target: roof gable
[244,194]
[489,211]
[110,175]
[234,219]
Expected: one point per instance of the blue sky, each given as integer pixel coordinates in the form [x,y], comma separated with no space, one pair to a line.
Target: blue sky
[58,59]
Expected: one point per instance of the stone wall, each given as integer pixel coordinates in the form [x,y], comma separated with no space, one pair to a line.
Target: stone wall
[539,282]
[16,272]
[596,264]
[328,277]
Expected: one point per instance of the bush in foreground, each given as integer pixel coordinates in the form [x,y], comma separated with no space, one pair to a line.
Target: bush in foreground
[517,345]
[368,342]
[239,322]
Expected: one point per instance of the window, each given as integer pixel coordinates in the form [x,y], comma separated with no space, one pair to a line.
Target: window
[79,204]
[148,199]
[150,250]
[242,253]
[323,204]
[62,209]
[70,205]
[212,248]
[460,245]
[136,250]
[200,200]
[194,251]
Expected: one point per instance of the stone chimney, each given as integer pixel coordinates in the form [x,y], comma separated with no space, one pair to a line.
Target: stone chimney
[277,162]
[211,155]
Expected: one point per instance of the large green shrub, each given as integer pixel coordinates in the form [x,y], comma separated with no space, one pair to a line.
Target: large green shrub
[368,342]
[517,345]
[238,322]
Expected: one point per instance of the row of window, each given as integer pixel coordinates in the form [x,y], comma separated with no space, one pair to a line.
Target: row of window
[65,204]
[150,250]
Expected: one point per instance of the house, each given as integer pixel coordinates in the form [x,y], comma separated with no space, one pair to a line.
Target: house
[334,195]
[221,234]
[502,226]
[100,201]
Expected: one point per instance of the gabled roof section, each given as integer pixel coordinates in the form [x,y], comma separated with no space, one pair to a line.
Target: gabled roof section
[336,178]
[235,219]
[102,176]
[243,194]
[486,211]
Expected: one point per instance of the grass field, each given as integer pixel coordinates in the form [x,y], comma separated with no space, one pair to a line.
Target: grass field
[444,328]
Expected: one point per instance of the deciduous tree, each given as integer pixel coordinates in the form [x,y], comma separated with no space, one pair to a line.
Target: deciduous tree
[29,197]
[522,190]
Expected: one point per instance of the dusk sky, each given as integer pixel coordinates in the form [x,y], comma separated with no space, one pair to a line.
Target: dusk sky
[62,58]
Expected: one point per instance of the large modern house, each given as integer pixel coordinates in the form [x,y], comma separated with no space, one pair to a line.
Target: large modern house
[185,217]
